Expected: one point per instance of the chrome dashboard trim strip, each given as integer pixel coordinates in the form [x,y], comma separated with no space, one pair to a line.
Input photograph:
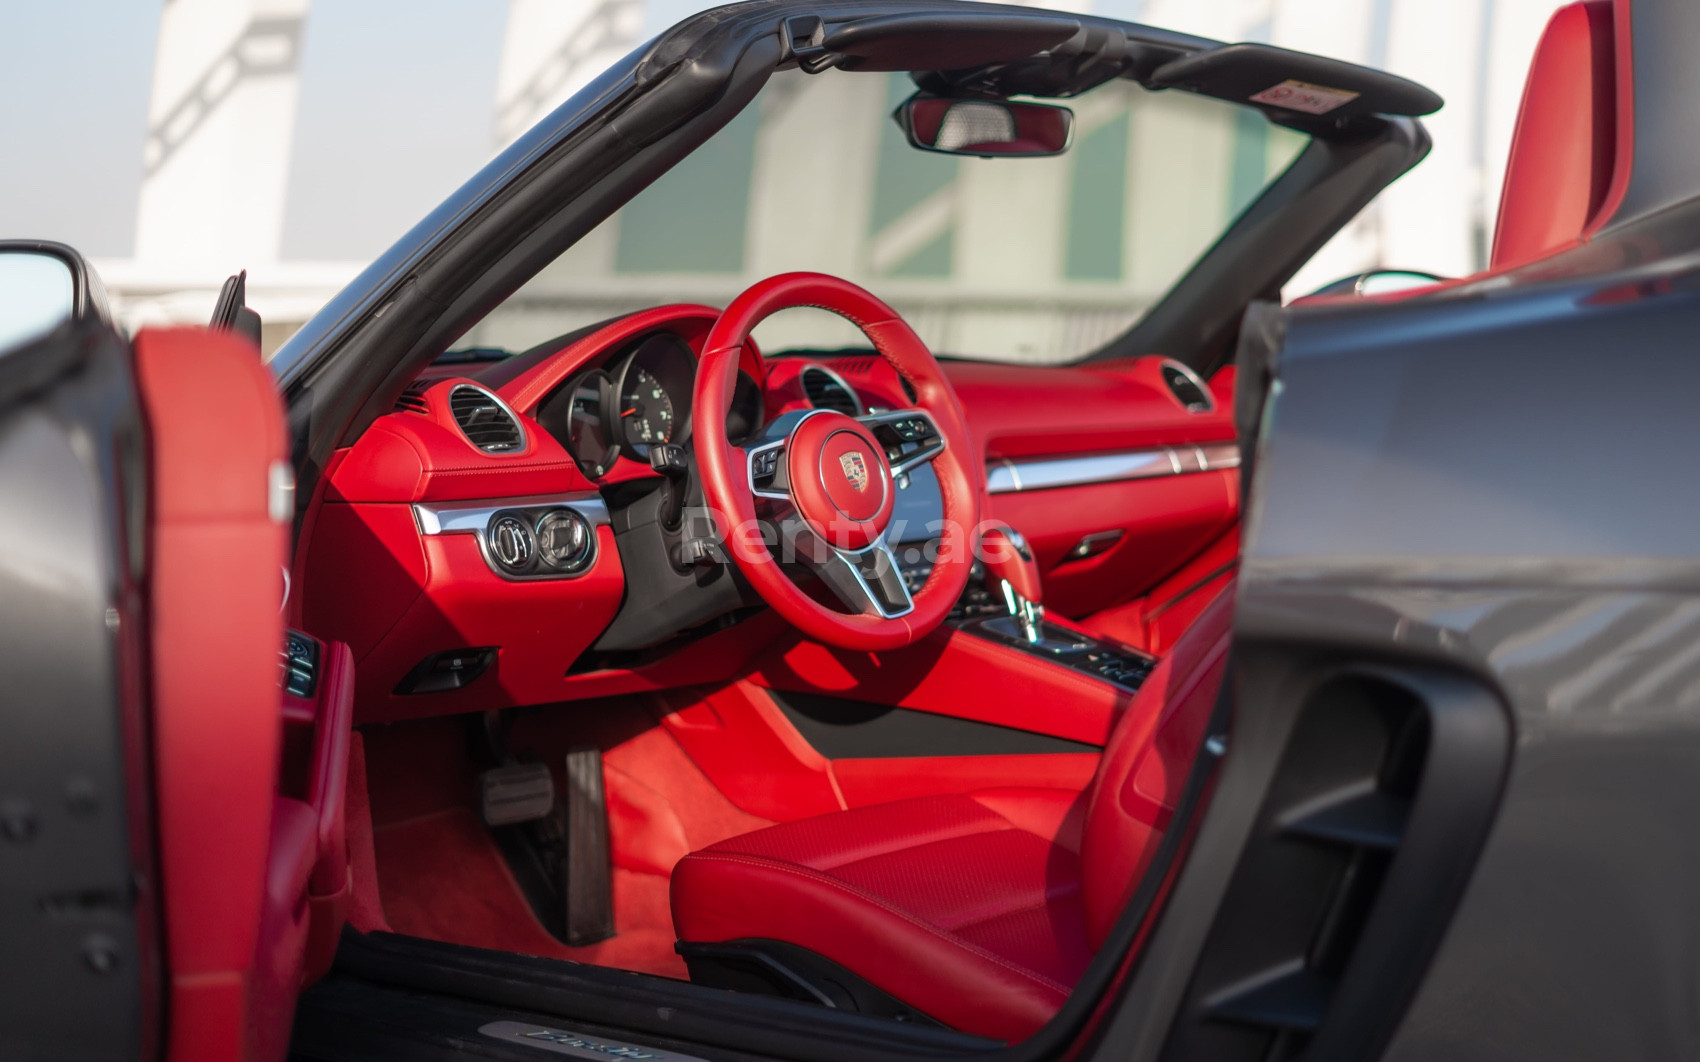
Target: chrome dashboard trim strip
[1220,455]
[473,517]
[1014,477]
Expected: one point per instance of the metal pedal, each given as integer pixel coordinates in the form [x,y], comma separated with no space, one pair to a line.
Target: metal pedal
[524,792]
[587,885]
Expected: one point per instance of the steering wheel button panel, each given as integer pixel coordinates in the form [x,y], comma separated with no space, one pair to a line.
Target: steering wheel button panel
[908,437]
[768,468]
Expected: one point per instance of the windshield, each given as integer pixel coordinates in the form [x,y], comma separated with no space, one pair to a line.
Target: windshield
[1038,260]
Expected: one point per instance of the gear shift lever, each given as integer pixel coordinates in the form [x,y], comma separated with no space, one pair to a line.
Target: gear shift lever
[1011,569]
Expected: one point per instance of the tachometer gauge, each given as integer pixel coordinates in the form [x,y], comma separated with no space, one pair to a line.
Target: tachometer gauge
[652,401]
[646,410]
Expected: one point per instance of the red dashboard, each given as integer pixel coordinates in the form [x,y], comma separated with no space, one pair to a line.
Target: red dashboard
[1105,468]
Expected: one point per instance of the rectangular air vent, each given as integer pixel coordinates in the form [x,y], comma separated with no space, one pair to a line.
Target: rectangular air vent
[412,400]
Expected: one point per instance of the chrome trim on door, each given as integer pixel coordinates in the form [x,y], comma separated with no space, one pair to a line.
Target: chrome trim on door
[1047,473]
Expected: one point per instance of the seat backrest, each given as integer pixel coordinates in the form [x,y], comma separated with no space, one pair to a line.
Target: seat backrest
[1564,151]
[1146,763]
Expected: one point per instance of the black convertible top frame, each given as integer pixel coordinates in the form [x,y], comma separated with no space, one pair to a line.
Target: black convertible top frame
[578,166]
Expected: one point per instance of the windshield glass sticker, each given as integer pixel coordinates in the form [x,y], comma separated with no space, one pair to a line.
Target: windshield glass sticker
[1300,96]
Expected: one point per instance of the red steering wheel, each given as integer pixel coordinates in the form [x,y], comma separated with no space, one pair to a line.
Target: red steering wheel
[826,481]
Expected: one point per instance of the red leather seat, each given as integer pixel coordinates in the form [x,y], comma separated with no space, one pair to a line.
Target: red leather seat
[1567,164]
[1569,161]
[979,910]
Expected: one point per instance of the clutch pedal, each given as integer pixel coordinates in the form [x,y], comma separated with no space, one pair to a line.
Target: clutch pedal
[523,792]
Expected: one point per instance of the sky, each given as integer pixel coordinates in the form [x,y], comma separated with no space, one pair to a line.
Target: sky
[73,114]
[396,106]
[387,102]
[396,110]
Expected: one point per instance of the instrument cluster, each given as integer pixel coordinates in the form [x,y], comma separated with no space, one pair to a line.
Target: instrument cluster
[639,400]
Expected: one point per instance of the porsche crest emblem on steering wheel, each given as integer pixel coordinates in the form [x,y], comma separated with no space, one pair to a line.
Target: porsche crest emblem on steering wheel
[855,469]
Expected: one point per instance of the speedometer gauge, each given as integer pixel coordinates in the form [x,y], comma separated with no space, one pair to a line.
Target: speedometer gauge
[646,411]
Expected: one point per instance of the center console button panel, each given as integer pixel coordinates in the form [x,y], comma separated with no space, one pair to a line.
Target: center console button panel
[1118,664]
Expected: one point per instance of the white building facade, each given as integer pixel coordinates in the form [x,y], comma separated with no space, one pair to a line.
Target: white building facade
[228,75]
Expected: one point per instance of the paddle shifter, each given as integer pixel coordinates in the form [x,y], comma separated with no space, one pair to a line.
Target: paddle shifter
[1011,570]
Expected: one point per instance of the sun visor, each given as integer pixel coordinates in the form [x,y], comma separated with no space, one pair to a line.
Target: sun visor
[1293,87]
[931,41]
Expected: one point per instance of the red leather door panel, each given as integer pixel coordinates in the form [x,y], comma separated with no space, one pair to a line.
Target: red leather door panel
[1164,523]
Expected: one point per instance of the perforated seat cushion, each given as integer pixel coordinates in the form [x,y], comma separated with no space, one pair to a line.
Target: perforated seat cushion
[965,907]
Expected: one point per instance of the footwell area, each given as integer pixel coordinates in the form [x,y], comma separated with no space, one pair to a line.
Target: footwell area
[441,875]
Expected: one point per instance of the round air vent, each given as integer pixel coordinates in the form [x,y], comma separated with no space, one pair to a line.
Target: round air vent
[486,420]
[827,390]
[1187,388]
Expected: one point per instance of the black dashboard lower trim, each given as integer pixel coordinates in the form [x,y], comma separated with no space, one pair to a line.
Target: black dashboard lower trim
[843,729]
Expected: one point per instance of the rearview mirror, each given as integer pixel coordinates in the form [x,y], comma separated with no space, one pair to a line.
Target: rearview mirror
[985,128]
[38,290]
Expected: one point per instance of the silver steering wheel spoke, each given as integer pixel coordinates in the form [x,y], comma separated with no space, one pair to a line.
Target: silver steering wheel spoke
[867,581]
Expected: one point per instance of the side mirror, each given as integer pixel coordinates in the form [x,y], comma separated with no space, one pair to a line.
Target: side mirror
[43,284]
[1379,282]
[986,128]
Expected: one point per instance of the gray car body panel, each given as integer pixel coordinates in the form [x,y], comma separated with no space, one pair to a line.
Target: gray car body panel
[1498,480]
